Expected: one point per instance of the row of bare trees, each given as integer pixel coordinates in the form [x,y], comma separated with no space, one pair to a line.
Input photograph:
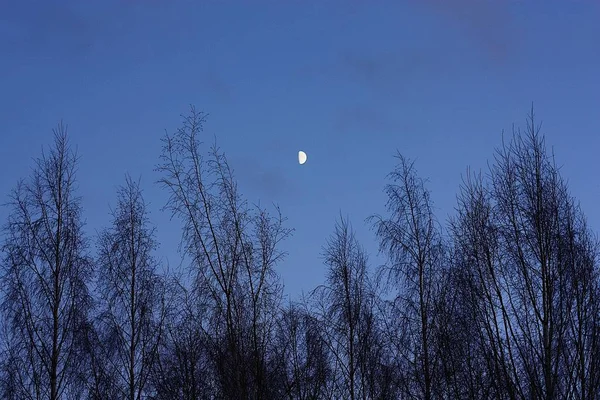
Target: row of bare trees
[502,304]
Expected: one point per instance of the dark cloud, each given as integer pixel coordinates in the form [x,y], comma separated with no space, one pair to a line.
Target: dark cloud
[216,84]
[270,183]
[488,23]
[46,27]
[358,65]
[362,118]
[489,27]
[70,28]
[386,69]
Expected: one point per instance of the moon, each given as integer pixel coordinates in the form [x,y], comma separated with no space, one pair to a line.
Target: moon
[302,157]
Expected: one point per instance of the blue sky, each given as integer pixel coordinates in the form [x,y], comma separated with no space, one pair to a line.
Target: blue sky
[348,82]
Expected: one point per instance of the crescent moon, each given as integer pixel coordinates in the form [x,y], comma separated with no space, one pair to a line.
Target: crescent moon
[302,157]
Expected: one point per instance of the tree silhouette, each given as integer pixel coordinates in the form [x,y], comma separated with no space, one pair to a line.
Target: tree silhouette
[45,271]
[233,250]
[131,321]
[411,238]
[503,305]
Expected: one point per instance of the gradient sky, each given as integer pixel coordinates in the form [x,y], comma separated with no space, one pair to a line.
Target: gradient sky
[348,82]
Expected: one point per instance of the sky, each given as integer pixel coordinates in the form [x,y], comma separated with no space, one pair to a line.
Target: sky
[348,82]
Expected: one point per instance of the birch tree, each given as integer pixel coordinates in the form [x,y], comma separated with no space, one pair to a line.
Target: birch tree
[44,278]
[131,322]
[233,249]
[411,239]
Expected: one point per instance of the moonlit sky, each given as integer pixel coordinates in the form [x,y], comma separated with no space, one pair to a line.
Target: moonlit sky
[348,82]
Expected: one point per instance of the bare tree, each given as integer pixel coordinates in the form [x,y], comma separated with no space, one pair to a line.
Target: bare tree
[537,223]
[102,382]
[483,324]
[183,368]
[526,270]
[579,248]
[233,249]
[302,354]
[10,387]
[346,307]
[44,277]
[131,294]
[340,303]
[411,238]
